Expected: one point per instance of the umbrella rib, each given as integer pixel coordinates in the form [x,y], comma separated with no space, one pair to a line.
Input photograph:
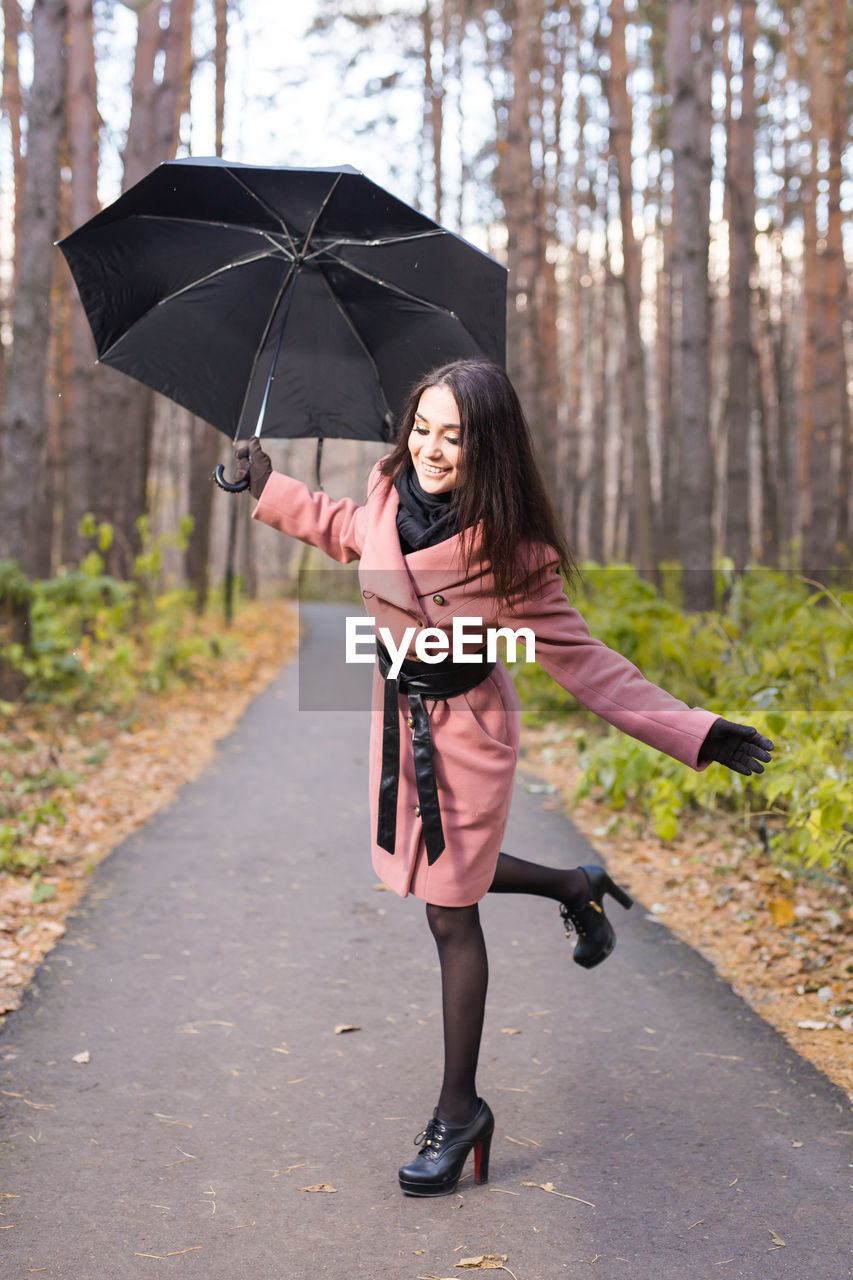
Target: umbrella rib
[211,222]
[381,241]
[318,215]
[268,208]
[394,288]
[367,244]
[412,297]
[287,279]
[359,340]
[193,284]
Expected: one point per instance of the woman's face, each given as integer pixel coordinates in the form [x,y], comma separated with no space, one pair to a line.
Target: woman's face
[434,441]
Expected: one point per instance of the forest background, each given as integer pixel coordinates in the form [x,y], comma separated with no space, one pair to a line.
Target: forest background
[666,183]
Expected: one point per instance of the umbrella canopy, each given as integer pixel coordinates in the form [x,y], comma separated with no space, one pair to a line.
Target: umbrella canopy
[281,302]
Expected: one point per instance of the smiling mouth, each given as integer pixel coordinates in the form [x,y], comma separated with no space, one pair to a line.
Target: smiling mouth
[434,471]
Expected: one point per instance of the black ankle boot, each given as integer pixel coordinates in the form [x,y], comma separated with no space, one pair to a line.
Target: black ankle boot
[437,1167]
[596,938]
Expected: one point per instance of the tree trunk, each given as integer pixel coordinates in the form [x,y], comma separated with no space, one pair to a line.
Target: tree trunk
[515,185]
[833,368]
[621,135]
[204,441]
[433,103]
[13,111]
[691,164]
[220,61]
[740,189]
[26,521]
[596,477]
[670,443]
[82,140]
[824,366]
[124,408]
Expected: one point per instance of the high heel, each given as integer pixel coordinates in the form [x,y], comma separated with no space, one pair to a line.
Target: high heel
[438,1166]
[596,938]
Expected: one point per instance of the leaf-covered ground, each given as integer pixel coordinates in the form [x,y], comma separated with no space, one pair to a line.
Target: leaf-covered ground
[785,944]
[85,781]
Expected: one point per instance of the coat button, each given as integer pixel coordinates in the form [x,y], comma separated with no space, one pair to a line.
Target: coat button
[410,722]
[417,810]
[438,599]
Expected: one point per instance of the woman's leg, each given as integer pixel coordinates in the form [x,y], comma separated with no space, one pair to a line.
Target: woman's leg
[579,891]
[464,980]
[514,875]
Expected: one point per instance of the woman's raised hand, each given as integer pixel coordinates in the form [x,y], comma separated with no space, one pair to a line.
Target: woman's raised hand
[254,463]
[737,746]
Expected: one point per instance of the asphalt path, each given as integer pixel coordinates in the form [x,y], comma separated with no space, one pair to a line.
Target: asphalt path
[649,1126]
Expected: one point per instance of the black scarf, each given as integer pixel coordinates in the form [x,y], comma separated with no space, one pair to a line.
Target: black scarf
[423,519]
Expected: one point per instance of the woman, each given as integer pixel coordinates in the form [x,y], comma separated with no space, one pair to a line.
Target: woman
[457,524]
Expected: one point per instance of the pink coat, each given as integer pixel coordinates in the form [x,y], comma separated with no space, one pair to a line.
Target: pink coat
[475,735]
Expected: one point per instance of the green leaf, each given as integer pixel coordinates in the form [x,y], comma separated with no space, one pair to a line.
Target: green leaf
[775,721]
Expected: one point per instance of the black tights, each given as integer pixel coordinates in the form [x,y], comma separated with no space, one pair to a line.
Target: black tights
[465,974]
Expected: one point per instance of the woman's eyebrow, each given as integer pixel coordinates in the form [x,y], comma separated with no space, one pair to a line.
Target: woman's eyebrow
[445,426]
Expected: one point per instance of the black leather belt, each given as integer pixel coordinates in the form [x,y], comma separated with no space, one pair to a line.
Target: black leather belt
[417,681]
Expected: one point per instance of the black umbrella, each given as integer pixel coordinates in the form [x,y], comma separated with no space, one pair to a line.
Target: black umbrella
[281,302]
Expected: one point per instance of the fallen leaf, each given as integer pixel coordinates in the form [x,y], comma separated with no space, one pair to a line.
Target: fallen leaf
[778,1242]
[781,911]
[320,1186]
[344,1026]
[36,1106]
[192,1029]
[549,1186]
[485,1262]
[510,1031]
[808,1024]
[171,1120]
[81,1057]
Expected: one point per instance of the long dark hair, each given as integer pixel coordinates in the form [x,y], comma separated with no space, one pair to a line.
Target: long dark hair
[502,490]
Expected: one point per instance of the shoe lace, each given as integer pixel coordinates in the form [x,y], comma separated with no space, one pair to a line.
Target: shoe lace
[572,917]
[569,922]
[431,1138]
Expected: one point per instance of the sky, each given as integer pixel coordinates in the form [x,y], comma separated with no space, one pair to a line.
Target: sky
[285,104]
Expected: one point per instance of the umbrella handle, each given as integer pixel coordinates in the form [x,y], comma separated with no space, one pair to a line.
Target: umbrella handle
[219,477]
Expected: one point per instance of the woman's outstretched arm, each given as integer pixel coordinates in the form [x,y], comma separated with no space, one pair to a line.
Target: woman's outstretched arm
[604,681]
[335,526]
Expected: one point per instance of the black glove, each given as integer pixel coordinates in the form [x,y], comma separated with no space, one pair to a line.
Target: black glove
[738,746]
[254,463]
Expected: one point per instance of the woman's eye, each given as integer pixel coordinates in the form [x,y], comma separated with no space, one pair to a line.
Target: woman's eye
[452,439]
[422,431]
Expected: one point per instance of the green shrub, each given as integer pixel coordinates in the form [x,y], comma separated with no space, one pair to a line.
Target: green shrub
[97,642]
[779,656]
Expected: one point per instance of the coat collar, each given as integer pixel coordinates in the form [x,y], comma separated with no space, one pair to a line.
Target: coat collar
[402,579]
